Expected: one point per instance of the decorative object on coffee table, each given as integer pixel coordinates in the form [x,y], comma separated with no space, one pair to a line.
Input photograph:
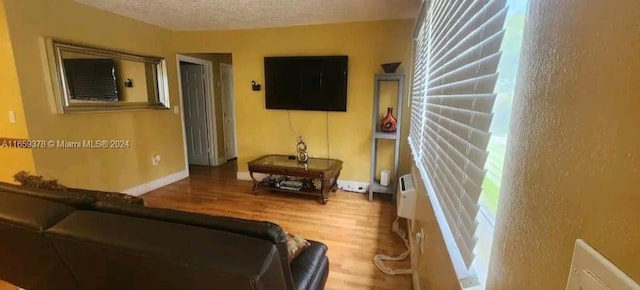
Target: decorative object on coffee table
[390,68]
[302,155]
[327,170]
[389,122]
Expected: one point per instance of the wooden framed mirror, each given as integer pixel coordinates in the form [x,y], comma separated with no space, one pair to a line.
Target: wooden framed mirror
[94,79]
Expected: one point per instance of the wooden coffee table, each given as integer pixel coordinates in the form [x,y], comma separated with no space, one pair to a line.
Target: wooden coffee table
[327,170]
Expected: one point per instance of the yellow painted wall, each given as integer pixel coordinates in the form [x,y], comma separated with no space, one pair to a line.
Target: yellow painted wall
[261,131]
[11,160]
[435,270]
[216,59]
[573,165]
[149,132]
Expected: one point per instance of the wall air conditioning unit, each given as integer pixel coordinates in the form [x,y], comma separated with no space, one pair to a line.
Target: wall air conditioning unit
[406,197]
[406,202]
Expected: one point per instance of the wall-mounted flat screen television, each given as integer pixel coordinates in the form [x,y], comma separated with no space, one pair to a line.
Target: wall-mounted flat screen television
[317,83]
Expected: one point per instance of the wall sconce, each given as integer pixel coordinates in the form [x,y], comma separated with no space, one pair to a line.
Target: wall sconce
[128,83]
[255,86]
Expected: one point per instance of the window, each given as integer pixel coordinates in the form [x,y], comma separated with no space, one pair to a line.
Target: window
[458,100]
[508,69]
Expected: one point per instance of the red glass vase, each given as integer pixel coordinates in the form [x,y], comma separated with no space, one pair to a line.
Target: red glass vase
[389,123]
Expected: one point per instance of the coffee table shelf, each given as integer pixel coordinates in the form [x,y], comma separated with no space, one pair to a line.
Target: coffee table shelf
[305,191]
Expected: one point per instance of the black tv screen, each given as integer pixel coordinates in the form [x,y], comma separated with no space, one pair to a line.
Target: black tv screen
[316,83]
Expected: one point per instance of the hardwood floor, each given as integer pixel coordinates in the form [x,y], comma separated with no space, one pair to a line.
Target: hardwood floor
[354,229]
[7,286]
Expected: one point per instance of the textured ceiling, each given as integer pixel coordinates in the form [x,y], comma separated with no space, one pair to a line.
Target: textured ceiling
[240,14]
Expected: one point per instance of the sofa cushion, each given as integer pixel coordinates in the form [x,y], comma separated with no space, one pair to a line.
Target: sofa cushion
[309,268]
[257,229]
[110,251]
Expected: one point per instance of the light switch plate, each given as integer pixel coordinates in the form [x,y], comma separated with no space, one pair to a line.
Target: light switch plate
[592,271]
[155,159]
[12,117]
[176,110]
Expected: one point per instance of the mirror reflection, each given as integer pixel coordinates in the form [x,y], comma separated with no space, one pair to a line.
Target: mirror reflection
[96,79]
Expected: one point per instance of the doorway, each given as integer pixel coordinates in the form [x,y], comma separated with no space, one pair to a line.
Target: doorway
[198,110]
[208,108]
[228,111]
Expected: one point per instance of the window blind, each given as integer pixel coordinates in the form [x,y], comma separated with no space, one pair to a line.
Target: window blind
[456,55]
[92,79]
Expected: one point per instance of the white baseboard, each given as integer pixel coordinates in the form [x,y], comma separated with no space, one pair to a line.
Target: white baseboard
[353,186]
[346,185]
[155,184]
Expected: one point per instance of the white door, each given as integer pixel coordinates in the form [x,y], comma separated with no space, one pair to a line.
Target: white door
[228,111]
[195,113]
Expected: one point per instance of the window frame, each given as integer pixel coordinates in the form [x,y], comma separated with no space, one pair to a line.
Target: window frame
[475,275]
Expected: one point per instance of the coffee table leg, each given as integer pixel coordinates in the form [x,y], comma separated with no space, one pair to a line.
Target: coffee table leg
[324,197]
[324,190]
[255,183]
[334,188]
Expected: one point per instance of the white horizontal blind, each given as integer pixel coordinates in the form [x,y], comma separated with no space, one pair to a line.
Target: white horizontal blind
[419,83]
[457,51]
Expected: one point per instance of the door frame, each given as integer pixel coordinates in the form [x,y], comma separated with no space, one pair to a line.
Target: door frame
[210,107]
[233,108]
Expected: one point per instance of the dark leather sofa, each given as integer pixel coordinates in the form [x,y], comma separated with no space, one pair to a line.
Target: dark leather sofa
[73,241]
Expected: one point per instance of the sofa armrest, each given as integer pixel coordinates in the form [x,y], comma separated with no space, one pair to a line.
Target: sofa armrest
[311,268]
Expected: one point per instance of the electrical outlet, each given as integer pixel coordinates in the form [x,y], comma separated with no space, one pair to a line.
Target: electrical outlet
[470,282]
[354,188]
[155,160]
